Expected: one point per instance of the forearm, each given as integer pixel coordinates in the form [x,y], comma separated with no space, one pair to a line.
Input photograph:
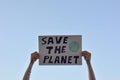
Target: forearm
[28,71]
[91,73]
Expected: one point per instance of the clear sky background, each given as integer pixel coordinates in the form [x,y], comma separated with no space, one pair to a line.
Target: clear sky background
[22,21]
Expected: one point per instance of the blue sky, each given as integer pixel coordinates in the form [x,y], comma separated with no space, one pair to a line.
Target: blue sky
[22,21]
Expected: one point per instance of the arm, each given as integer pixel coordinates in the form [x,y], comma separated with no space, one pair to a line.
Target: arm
[87,57]
[34,57]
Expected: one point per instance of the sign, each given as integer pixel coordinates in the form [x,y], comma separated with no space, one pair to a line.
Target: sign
[60,50]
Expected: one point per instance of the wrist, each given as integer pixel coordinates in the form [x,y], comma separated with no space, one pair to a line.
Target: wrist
[88,62]
[31,62]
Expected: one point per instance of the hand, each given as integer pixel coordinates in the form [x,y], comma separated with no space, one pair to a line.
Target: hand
[86,55]
[34,56]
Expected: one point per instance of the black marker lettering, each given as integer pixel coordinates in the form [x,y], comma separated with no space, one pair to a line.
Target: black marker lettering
[50,60]
[63,59]
[69,59]
[43,40]
[50,40]
[63,49]
[76,59]
[58,39]
[45,57]
[49,49]
[65,40]
[57,49]
[57,59]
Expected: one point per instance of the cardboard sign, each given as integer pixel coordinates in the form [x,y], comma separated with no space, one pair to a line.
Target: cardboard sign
[60,50]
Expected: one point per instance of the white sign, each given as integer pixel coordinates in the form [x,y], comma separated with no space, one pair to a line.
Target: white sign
[60,50]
